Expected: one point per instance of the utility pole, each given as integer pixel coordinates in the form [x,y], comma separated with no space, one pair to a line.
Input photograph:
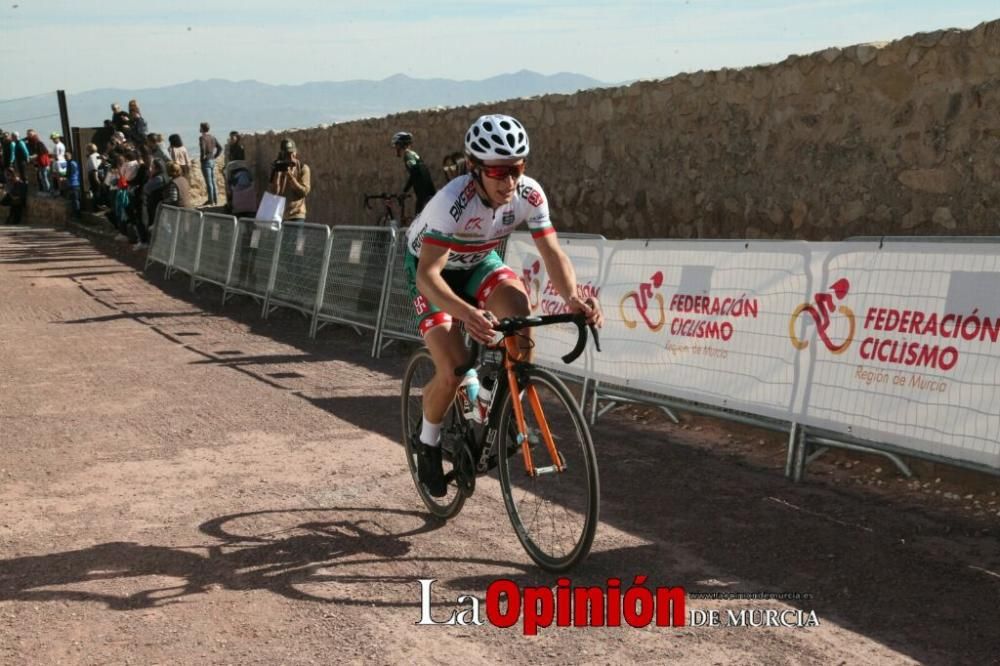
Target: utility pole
[64,117]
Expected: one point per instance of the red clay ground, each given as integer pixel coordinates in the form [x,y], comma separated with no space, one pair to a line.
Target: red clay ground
[183,483]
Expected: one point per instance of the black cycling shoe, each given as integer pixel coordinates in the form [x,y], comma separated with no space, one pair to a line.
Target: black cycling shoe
[429,469]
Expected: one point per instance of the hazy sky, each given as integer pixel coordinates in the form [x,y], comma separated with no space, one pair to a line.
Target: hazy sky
[80,45]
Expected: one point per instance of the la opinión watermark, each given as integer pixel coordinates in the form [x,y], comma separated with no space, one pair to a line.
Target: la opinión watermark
[637,605]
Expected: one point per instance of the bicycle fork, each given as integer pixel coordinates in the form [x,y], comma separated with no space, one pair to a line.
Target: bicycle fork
[558,465]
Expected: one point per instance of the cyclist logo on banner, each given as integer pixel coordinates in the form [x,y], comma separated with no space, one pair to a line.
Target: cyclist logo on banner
[820,311]
[641,299]
[529,277]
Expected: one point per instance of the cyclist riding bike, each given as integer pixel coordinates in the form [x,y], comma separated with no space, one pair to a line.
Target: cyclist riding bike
[418,177]
[455,273]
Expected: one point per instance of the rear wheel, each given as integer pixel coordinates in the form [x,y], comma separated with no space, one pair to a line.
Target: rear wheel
[419,372]
[554,514]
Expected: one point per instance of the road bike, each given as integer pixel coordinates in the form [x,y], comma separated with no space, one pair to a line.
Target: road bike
[551,490]
[389,217]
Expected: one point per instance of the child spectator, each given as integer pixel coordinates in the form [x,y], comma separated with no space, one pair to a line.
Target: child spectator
[73,184]
[236,151]
[179,154]
[178,190]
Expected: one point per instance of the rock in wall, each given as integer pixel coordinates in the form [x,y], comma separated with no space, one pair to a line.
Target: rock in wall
[894,138]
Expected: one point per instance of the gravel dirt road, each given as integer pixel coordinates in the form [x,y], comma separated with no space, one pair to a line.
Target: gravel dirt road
[186,483]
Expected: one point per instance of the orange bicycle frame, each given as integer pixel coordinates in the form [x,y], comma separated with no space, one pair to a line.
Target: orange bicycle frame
[511,358]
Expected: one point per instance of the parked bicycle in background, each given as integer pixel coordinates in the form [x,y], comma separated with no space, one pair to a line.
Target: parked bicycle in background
[393,213]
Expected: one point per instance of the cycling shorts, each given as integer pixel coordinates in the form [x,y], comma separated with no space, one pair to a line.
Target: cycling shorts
[473,285]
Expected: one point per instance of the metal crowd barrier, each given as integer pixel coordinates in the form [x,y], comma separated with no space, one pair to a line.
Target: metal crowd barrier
[254,258]
[360,260]
[218,249]
[161,248]
[302,253]
[355,275]
[187,244]
[397,319]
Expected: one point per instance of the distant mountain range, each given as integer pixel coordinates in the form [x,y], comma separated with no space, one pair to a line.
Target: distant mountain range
[254,106]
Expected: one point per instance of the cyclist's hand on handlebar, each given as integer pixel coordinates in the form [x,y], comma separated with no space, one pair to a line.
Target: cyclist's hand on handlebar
[479,324]
[588,306]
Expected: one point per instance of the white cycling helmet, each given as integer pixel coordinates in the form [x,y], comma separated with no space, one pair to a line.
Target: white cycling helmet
[496,137]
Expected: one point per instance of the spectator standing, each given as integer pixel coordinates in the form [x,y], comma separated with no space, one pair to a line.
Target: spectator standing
[19,155]
[419,177]
[178,190]
[236,150]
[43,165]
[119,181]
[137,124]
[16,196]
[91,168]
[119,118]
[209,150]
[179,154]
[136,187]
[290,178]
[155,144]
[59,163]
[150,197]
[73,184]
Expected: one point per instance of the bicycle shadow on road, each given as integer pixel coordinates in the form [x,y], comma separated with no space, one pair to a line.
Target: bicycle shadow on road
[303,554]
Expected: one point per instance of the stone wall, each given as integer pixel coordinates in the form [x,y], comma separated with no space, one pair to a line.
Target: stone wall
[896,138]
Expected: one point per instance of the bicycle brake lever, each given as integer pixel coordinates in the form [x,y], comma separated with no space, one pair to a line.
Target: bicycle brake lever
[597,338]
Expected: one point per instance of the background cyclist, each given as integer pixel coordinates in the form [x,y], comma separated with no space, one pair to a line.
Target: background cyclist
[419,177]
[455,273]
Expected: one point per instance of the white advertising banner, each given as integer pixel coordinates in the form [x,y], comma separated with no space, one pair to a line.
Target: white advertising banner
[901,345]
[895,343]
[553,342]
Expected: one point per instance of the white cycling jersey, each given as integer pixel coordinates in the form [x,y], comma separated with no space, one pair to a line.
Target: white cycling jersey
[457,218]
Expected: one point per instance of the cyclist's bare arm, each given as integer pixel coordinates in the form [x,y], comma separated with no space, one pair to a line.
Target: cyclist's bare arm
[563,276]
[432,286]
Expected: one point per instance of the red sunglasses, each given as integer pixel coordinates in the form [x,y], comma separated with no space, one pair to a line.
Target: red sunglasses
[514,171]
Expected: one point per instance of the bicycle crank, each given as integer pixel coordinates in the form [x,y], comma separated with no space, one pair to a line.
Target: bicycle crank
[464,468]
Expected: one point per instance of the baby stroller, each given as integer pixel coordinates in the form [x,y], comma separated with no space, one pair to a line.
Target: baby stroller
[241,193]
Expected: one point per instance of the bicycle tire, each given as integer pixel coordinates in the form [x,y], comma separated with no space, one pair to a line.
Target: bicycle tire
[419,370]
[569,500]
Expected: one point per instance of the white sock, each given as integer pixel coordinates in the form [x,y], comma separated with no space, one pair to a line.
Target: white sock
[430,432]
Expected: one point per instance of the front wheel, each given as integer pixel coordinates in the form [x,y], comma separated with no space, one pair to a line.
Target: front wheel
[554,514]
[419,372]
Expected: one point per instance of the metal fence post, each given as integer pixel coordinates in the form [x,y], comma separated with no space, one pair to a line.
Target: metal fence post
[384,299]
[273,273]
